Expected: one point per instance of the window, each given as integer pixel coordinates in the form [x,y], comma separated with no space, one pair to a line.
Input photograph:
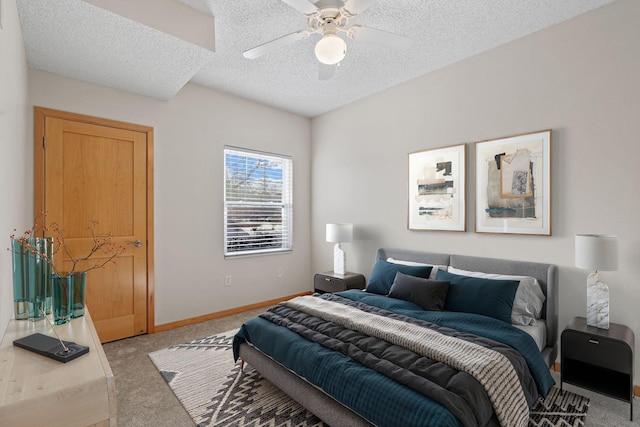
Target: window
[258,207]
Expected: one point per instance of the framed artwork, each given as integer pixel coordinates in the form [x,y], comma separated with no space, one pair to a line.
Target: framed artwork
[437,189]
[513,184]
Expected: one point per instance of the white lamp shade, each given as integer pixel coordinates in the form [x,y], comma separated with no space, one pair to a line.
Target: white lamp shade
[597,252]
[330,49]
[338,233]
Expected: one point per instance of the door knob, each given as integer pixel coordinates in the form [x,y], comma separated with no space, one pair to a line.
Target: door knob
[137,243]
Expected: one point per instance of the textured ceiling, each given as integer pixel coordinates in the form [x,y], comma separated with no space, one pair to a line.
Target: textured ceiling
[78,40]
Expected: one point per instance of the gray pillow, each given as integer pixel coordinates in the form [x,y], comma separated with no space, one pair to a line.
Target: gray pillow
[428,294]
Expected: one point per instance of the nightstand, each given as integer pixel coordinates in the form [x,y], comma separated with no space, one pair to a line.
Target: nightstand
[600,360]
[333,282]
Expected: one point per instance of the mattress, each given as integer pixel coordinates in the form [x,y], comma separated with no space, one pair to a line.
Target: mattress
[538,332]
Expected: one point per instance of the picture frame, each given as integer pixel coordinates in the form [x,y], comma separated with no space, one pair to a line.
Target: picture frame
[513,184]
[437,189]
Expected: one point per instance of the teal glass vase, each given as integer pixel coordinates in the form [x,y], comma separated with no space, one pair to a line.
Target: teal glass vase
[32,268]
[69,298]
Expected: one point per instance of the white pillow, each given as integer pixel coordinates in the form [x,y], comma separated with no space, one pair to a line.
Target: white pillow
[529,298]
[434,270]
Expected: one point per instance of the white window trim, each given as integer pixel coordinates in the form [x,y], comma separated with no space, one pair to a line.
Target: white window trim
[286,204]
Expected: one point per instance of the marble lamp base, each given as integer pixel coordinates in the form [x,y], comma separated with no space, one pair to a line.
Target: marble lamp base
[597,302]
[338,259]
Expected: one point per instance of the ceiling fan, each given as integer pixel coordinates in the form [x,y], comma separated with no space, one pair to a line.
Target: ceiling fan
[329,18]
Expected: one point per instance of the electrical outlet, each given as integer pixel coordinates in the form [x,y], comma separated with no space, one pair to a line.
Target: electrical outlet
[227,280]
[280,272]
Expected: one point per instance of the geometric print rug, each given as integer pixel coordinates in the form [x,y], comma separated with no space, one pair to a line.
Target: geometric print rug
[560,408]
[215,392]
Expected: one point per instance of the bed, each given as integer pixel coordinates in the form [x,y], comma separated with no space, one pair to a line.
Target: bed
[323,351]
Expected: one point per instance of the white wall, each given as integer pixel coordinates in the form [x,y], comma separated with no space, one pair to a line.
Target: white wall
[190,132]
[16,193]
[580,78]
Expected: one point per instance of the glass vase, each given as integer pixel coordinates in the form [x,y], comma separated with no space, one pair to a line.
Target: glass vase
[68,296]
[32,291]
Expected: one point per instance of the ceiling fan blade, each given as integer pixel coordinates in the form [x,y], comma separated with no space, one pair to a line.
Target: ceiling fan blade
[354,7]
[326,71]
[384,38]
[303,6]
[275,44]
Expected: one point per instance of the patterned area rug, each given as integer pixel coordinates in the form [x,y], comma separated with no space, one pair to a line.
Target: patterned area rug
[214,392]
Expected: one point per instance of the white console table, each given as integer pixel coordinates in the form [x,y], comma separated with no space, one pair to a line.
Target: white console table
[38,391]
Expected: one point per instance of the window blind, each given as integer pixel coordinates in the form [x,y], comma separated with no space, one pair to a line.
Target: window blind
[258,202]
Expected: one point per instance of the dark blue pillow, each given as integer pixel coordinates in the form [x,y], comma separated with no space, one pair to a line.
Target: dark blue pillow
[489,297]
[384,273]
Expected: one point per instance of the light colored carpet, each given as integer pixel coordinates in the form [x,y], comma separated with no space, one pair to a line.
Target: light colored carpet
[605,411]
[143,397]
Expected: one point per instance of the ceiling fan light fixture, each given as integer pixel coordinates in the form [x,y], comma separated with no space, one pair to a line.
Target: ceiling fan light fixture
[330,49]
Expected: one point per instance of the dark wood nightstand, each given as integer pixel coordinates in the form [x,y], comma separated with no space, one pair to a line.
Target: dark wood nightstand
[333,282]
[600,360]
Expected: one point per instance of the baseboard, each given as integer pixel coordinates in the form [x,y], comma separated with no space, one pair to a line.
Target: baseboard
[219,314]
[556,368]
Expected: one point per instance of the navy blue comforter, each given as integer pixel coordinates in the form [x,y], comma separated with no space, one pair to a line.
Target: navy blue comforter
[368,392]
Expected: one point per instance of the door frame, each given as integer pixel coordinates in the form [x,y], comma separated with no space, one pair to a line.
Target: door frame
[39,116]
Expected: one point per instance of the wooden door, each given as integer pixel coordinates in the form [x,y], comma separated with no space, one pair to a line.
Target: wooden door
[87,170]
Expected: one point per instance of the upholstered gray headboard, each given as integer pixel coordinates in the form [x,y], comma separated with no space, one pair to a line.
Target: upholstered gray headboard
[547,275]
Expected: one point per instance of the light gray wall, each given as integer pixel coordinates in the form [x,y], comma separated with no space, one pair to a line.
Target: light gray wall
[190,132]
[580,78]
[16,200]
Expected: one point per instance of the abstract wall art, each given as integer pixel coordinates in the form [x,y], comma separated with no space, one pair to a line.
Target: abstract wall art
[437,189]
[513,184]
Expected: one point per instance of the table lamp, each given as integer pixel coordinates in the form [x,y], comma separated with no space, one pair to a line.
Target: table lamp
[597,252]
[339,233]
